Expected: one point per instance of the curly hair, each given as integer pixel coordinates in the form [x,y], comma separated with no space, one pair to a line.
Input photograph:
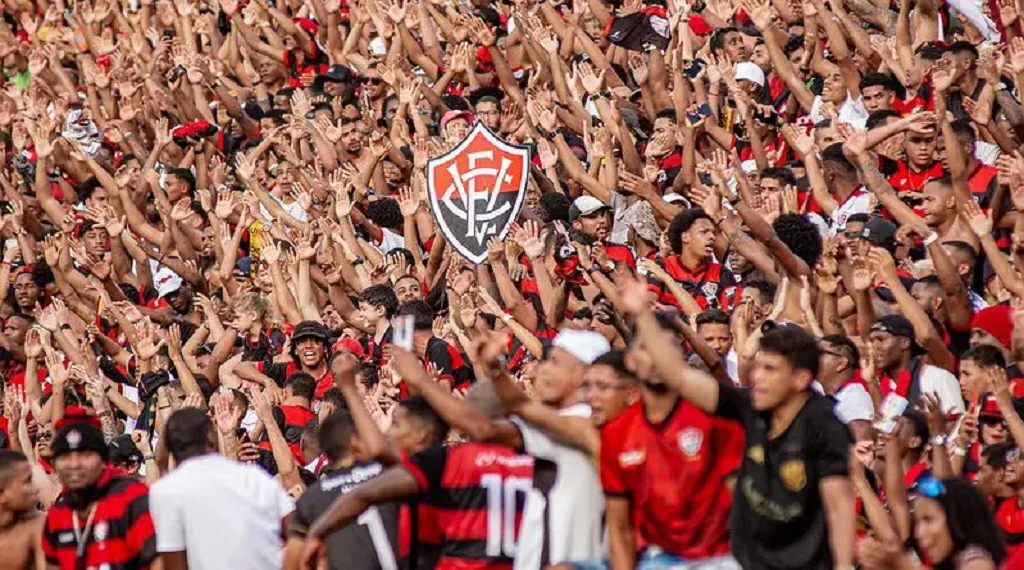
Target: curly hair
[681,224]
[970,520]
[386,213]
[800,235]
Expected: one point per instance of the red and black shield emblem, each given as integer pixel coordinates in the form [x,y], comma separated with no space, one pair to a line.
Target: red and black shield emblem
[476,190]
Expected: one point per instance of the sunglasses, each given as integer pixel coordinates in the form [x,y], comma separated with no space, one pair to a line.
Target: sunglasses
[990,421]
[929,487]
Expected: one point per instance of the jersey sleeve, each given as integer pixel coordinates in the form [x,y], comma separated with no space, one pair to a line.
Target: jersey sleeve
[830,445]
[276,371]
[734,403]
[427,467]
[141,537]
[730,440]
[49,550]
[612,480]
[438,355]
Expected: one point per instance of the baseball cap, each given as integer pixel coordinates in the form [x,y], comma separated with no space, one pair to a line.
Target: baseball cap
[898,325]
[673,198]
[310,329]
[452,115]
[585,206]
[880,232]
[123,450]
[584,346]
[750,72]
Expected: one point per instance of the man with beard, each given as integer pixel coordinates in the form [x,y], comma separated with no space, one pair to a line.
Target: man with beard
[309,352]
[592,218]
[351,141]
[20,523]
[100,519]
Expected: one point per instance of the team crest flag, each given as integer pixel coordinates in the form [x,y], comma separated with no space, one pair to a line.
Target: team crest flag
[476,190]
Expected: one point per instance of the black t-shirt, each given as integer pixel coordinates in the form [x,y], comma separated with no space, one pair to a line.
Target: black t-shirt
[369,543]
[778,520]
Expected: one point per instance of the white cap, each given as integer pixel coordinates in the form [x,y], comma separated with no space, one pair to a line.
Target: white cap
[750,72]
[673,198]
[584,206]
[584,346]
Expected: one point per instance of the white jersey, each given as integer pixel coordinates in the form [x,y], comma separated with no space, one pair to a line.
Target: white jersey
[562,521]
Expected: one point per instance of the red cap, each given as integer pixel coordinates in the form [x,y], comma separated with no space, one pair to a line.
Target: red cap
[351,345]
[452,115]
[996,321]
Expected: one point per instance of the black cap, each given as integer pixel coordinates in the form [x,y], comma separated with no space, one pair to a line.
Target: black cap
[335,74]
[310,329]
[896,325]
[123,451]
[79,437]
[880,232]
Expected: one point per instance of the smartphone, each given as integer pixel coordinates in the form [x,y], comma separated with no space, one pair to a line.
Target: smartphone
[892,408]
[702,111]
[402,329]
[695,66]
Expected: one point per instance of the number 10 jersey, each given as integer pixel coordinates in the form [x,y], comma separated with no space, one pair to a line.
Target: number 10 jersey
[478,491]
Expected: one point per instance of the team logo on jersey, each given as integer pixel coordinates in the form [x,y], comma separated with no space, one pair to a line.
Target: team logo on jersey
[632,458]
[101,531]
[756,454]
[793,475]
[476,190]
[709,289]
[690,441]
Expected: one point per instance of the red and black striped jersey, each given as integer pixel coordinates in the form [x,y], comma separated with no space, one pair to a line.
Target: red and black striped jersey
[478,491]
[117,530]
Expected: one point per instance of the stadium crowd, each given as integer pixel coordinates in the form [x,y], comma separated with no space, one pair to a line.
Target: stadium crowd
[756,301]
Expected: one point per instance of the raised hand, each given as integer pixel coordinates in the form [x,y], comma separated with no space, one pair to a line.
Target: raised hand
[978,221]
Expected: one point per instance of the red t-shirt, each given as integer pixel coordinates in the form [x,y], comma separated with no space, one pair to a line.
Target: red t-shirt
[1010,517]
[674,474]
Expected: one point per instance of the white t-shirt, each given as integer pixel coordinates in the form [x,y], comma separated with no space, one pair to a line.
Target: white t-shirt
[853,402]
[858,202]
[222,513]
[852,112]
[568,517]
[945,386]
[389,241]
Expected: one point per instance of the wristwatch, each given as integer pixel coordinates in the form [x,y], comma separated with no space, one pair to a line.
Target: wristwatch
[937,441]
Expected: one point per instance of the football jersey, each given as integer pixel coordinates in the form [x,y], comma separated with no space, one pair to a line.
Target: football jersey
[369,543]
[565,508]
[479,490]
[674,475]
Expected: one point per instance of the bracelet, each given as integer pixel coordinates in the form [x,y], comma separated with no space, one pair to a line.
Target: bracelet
[148,457]
[960,452]
[163,407]
[506,317]
[931,238]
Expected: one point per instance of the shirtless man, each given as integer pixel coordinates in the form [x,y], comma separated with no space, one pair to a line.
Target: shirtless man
[21,524]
